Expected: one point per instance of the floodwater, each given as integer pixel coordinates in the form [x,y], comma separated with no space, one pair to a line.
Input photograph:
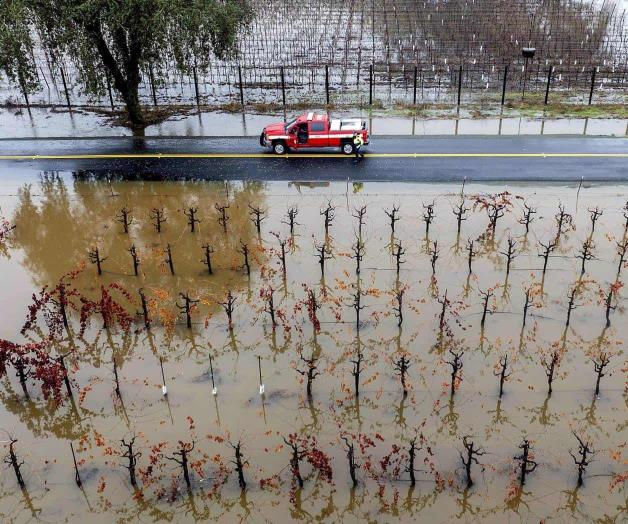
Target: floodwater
[60,217]
[17,123]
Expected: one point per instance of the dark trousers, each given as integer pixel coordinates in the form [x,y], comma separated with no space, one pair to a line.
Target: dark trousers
[358,152]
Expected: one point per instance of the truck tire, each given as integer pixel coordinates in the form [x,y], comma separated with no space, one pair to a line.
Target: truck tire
[279,147]
[347,148]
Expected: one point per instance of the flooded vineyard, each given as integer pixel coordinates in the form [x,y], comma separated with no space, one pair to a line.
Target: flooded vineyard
[193,351]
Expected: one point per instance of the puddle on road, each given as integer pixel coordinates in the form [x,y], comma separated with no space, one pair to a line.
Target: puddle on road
[59,218]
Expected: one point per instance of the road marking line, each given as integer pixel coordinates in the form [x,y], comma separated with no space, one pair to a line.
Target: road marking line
[114,156]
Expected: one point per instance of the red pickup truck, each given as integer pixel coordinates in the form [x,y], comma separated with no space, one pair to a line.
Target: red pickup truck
[312,130]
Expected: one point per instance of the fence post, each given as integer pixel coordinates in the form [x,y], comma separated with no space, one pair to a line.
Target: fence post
[327,83]
[414,93]
[504,85]
[549,81]
[198,104]
[592,85]
[283,87]
[459,84]
[152,84]
[241,87]
[65,88]
[371,85]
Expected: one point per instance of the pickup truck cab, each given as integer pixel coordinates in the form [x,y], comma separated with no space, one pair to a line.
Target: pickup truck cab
[311,130]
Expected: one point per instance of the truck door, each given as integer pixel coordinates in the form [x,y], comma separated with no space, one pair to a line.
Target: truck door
[319,134]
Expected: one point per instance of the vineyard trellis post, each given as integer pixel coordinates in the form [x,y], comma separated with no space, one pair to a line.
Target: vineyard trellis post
[549,81]
[283,87]
[459,84]
[504,84]
[327,83]
[414,88]
[592,85]
[241,86]
[371,85]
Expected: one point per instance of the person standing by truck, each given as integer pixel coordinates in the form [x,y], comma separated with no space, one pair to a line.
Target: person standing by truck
[358,142]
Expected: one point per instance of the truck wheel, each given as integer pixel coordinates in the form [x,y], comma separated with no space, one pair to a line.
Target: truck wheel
[279,147]
[347,148]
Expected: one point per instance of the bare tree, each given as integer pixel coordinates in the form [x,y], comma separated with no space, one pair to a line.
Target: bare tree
[297,453]
[608,301]
[526,306]
[292,215]
[470,456]
[358,254]
[186,307]
[270,305]
[359,214]
[12,460]
[158,216]
[323,253]
[459,212]
[434,253]
[257,216]
[510,253]
[353,466]
[94,258]
[135,257]
[357,305]
[239,463]
[244,250]
[595,214]
[329,213]
[125,218]
[599,363]
[585,254]
[456,367]
[398,306]
[131,456]
[144,304]
[428,217]
[550,363]
[444,302]
[191,216]
[207,260]
[357,370]
[181,458]
[547,250]
[393,215]
[526,464]
[223,218]
[585,451]
[398,252]
[528,217]
[470,253]
[562,219]
[502,373]
[410,469]
[571,304]
[227,305]
[402,364]
[622,248]
[486,296]
[310,373]
[169,261]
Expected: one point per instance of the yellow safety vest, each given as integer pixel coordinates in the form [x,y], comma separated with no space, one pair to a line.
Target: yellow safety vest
[358,141]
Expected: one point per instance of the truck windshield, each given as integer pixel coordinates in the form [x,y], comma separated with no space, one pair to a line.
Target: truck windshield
[289,124]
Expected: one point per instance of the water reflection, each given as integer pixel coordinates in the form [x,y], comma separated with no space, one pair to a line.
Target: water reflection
[117,376]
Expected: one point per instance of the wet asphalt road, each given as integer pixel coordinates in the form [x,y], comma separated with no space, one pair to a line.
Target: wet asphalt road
[393,158]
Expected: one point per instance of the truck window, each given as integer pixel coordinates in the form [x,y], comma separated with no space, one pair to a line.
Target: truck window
[318,126]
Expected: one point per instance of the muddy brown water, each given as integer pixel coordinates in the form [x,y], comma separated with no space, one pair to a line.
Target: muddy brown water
[59,219]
